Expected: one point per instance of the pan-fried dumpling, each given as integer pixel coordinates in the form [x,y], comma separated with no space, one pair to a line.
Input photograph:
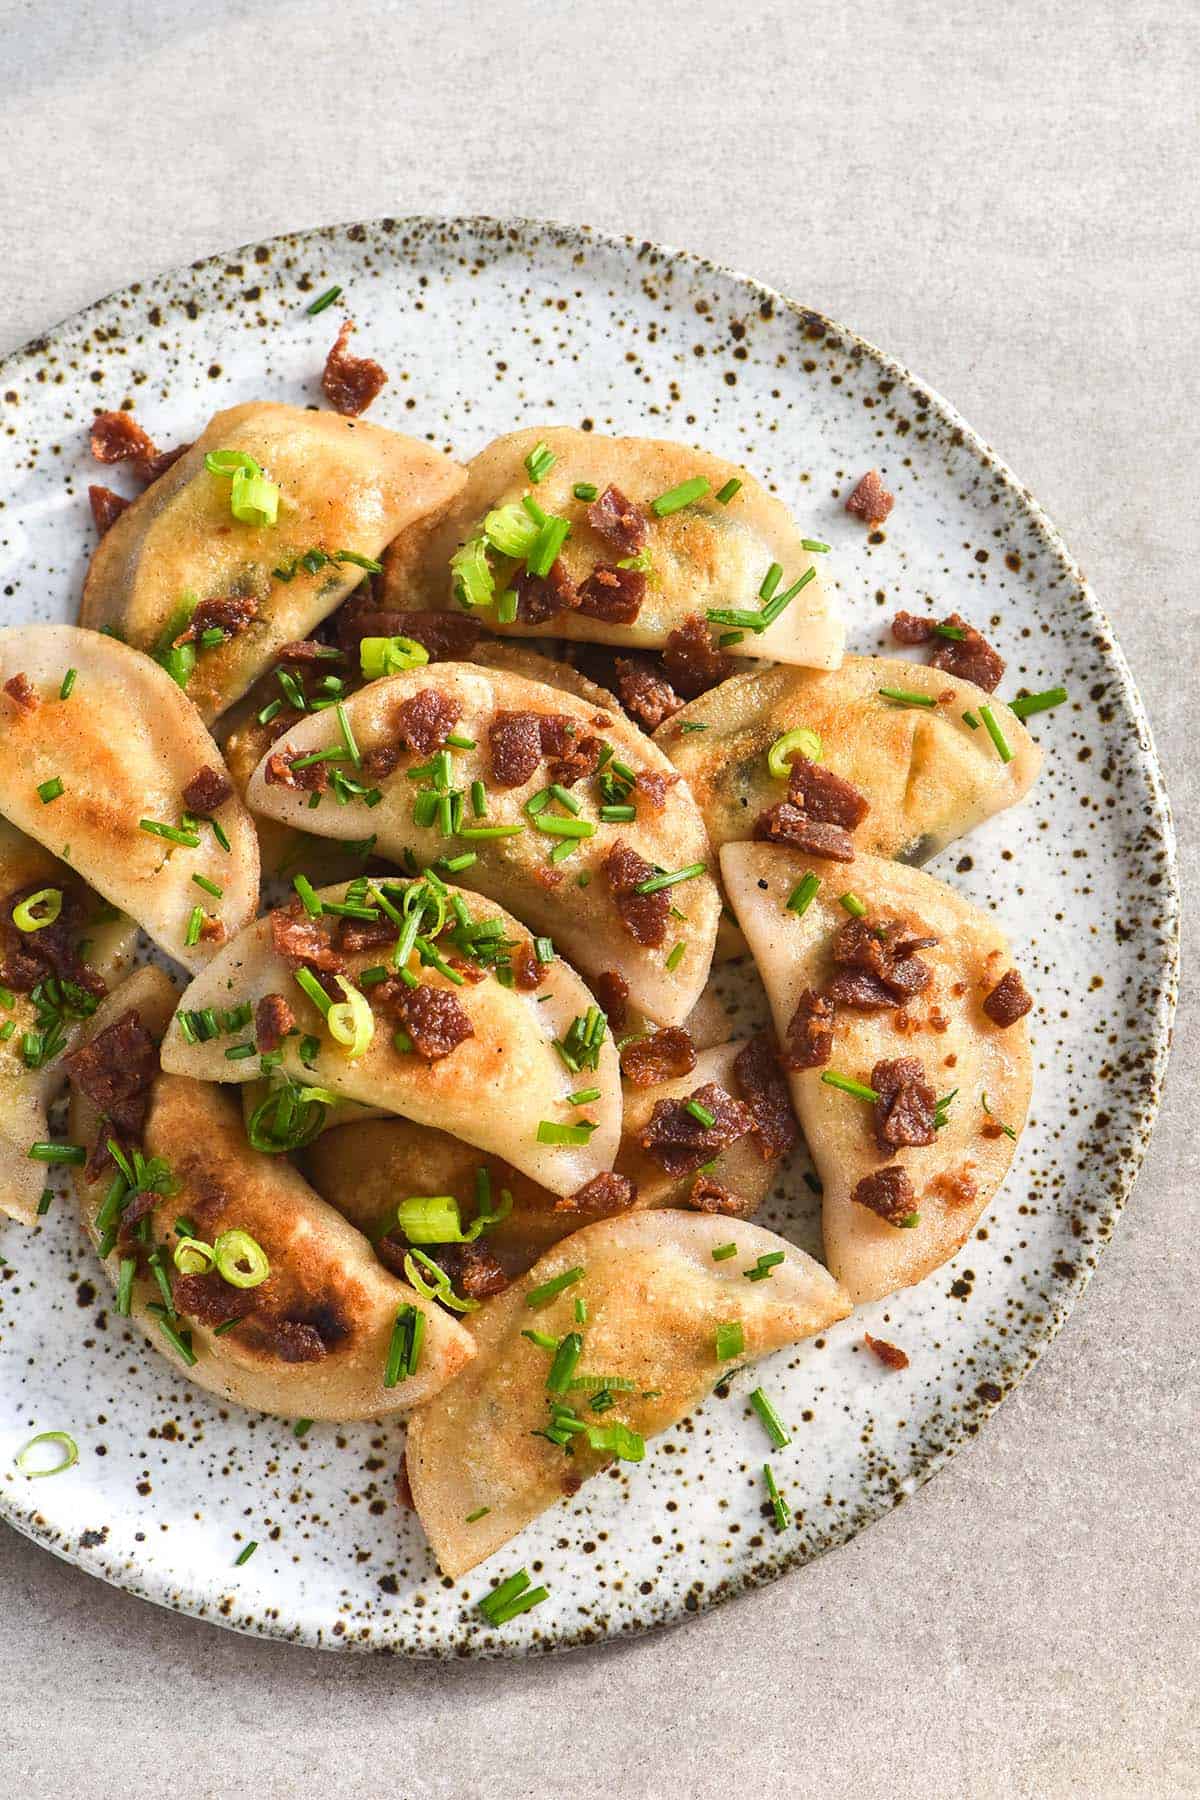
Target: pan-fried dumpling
[481,1059]
[178,558]
[313,1337]
[654,1299]
[902,1191]
[530,745]
[367,1168]
[105,777]
[927,775]
[703,556]
[51,981]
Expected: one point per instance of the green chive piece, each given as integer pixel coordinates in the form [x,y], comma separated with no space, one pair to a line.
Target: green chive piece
[992,727]
[565,828]
[814,546]
[404,1350]
[693,725]
[68,683]
[725,494]
[657,882]
[566,798]
[50,790]
[480,833]
[180,1341]
[511,1598]
[125,1285]
[585,490]
[1025,705]
[763,1267]
[301,1428]
[550,1133]
[209,887]
[731,1341]
[174,834]
[771,581]
[701,1114]
[245,1555]
[306,980]
[775,1428]
[581,1313]
[860,1091]
[539,462]
[782,1511]
[617,814]
[907,696]
[60,1155]
[723,1252]
[676,956]
[323,300]
[676,498]
[566,1357]
[195,925]
[853,905]
[539,1295]
[803,895]
[1006,1129]
[481,1512]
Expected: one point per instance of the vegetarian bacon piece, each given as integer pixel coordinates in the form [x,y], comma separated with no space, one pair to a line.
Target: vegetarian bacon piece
[970,658]
[22,692]
[292,1340]
[904,1111]
[691,661]
[644,916]
[527,970]
[889,1194]
[1009,1000]
[425,719]
[117,437]
[581,759]
[472,1269]
[542,597]
[644,692]
[709,1196]
[273,1019]
[618,521]
[808,1041]
[232,613]
[878,966]
[433,1018]
[350,383]
[303,943]
[605,1193]
[282,772]
[824,796]
[680,1143]
[912,628]
[784,823]
[207,789]
[666,1056]
[613,595]
[28,957]
[516,741]
[115,1071]
[106,506]
[655,786]
[890,1355]
[209,1299]
[612,993]
[364,934]
[765,1092]
[870,500]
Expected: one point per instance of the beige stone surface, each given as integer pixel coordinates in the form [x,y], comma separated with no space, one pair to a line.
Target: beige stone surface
[1005,198]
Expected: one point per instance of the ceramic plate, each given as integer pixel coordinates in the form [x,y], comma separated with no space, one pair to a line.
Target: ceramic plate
[485,327]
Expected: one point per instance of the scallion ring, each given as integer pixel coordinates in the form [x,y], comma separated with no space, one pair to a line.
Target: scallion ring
[39,910]
[351,1022]
[192,1256]
[800,742]
[68,1459]
[240,1260]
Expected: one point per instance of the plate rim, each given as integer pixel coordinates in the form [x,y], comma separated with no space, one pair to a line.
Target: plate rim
[1067,1292]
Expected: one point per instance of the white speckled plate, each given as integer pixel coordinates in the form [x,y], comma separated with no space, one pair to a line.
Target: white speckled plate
[484,327]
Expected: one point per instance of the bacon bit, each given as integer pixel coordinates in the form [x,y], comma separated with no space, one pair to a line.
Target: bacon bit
[350,383]
[149,468]
[877,964]
[117,437]
[212,931]
[27,957]
[859,988]
[582,759]
[605,1193]
[824,796]
[784,823]
[210,1300]
[472,1269]
[911,628]
[314,779]
[904,1111]
[808,1041]
[970,658]
[667,1056]
[232,613]
[618,521]
[655,786]
[890,1355]
[614,596]
[612,993]
[870,500]
[691,661]
[644,692]
[516,742]
[273,1019]
[302,943]
[765,1092]
[304,653]
[354,935]
[708,1196]
[448,637]
[543,597]
[106,506]
[115,1070]
[1009,1000]
[425,719]
[527,970]
[208,789]
[644,916]
[888,1193]
[21,690]
[292,1340]
[676,1140]
[433,1019]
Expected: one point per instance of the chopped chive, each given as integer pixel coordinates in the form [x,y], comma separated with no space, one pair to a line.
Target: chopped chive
[763,1267]
[723,1252]
[783,1512]
[731,1341]
[50,790]
[730,637]
[771,581]
[1006,1129]
[701,1114]
[245,1555]
[657,882]
[239,1052]
[323,300]
[269,711]
[174,834]
[125,1285]
[480,833]
[306,980]
[539,462]
[309,898]
[584,1097]
[814,545]
[907,696]
[970,719]
[993,730]
[543,949]
[541,1340]
[404,1350]
[301,1428]
[773,608]
[180,1341]
[1025,705]
[209,887]
[565,828]
[676,498]
[693,725]
[43,1205]
[566,1358]
[853,905]
[725,494]
[585,490]
[536,1296]
[950,631]
[195,925]
[566,798]
[676,956]
[218,831]
[803,895]
[581,1312]
[617,814]
[58,1154]
[481,1512]
[511,1598]
[775,1427]
[347,731]
[68,683]
[860,1091]
[478,799]
[550,1133]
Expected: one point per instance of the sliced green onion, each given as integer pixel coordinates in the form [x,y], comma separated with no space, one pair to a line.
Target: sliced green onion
[67,1460]
[539,462]
[847,1086]
[550,1133]
[244,1556]
[991,726]
[50,790]
[59,1155]
[853,905]
[511,531]
[192,1256]
[800,742]
[907,696]
[676,498]
[803,894]
[775,1428]
[725,494]
[437,1286]
[539,1295]
[731,1341]
[379,656]
[351,1022]
[253,500]
[39,910]
[1025,705]
[235,1248]
[474,584]
[323,300]
[723,1252]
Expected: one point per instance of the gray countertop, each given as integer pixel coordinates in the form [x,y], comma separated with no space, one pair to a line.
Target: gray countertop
[1004,198]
